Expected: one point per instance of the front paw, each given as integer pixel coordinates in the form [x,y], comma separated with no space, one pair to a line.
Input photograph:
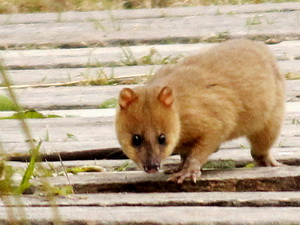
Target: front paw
[190,170]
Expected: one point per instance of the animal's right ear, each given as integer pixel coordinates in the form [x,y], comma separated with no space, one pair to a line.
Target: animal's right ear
[126,97]
[165,96]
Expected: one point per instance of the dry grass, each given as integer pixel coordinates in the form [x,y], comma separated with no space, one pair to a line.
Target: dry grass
[25,6]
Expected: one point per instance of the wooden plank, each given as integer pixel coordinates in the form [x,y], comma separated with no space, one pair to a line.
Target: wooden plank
[108,165]
[255,179]
[61,75]
[56,129]
[222,199]
[240,157]
[106,114]
[72,97]
[279,25]
[234,157]
[144,13]
[83,97]
[292,113]
[160,215]
[101,141]
[66,150]
[83,57]
[99,129]
[288,152]
[53,124]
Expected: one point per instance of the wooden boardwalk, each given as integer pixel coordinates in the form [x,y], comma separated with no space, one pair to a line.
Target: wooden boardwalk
[53,58]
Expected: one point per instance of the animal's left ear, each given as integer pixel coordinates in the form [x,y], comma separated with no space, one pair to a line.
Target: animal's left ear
[165,96]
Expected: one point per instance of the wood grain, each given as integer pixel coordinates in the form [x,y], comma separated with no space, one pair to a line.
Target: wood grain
[152,30]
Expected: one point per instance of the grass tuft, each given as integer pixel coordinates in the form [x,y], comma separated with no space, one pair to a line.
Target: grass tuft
[109,103]
[222,164]
[28,114]
[292,76]
[152,58]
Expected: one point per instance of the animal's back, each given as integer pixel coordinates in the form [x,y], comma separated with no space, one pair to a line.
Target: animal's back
[237,82]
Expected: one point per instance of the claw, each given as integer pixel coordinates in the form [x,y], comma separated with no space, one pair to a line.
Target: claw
[183,175]
[194,178]
[190,170]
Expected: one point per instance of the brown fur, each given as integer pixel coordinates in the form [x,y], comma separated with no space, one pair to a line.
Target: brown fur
[231,90]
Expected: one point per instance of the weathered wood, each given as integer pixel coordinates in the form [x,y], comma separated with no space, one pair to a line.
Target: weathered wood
[84,150]
[281,25]
[104,114]
[104,122]
[107,165]
[101,135]
[222,199]
[159,215]
[68,136]
[292,113]
[109,56]
[232,157]
[66,97]
[61,75]
[48,130]
[75,97]
[255,179]
[144,13]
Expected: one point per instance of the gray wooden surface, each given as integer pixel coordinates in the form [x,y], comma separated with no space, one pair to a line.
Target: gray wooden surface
[46,53]
[164,26]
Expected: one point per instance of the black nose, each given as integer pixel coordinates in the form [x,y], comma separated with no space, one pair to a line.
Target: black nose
[151,167]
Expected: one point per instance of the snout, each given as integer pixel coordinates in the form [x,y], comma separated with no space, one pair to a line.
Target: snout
[151,167]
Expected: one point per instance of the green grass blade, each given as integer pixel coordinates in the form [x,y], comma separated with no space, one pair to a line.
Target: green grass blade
[25,183]
[6,104]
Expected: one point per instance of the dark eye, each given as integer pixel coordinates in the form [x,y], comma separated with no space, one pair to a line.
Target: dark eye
[137,140]
[161,139]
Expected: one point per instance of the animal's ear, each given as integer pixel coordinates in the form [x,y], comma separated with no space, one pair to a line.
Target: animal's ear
[165,96]
[126,97]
